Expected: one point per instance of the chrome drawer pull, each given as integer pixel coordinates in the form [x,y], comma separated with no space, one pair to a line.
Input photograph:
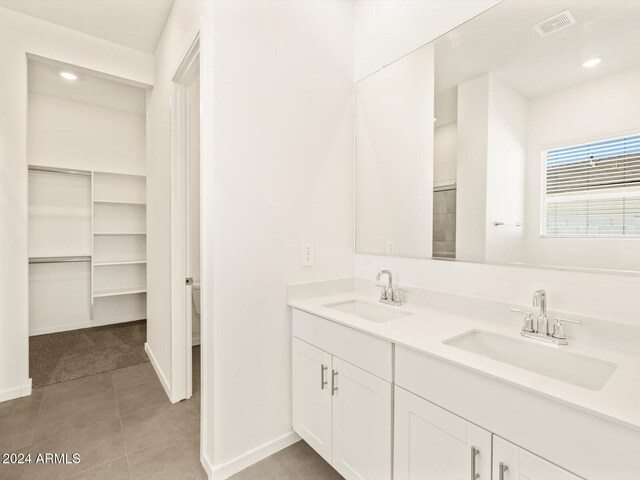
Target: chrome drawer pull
[323,382]
[474,452]
[334,389]
[501,469]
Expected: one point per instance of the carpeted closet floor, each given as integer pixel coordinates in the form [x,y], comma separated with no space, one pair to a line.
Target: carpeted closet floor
[58,357]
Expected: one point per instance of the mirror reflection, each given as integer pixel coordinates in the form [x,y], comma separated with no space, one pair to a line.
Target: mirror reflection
[536,139]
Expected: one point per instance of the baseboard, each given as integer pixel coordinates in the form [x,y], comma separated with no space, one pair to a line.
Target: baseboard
[16,392]
[159,373]
[77,326]
[253,456]
[208,467]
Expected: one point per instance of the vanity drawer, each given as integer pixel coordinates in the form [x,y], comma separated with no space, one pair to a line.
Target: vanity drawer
[365,351]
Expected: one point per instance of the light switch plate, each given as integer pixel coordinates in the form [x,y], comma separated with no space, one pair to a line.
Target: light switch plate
[308,254]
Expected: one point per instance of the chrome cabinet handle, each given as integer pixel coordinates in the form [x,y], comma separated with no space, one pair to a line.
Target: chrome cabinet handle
[334,389]
[323,382]
[474,453]
[502,467]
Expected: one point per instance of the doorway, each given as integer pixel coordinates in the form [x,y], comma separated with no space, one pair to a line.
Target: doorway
[186,215]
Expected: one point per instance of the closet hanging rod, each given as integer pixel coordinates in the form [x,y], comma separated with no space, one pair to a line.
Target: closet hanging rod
[66,171]
[67,259]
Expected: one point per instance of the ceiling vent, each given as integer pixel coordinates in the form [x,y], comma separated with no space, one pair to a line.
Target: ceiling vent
[554,24]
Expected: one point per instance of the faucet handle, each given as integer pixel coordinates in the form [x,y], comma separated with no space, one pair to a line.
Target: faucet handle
[384,293]
[568,320]
[558,327]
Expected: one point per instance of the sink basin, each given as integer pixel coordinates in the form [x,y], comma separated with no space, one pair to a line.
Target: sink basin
[368,311]
[585,372]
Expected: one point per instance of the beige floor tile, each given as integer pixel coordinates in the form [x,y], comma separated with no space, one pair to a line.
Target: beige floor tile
[97,444]
[16,441]
[299,461]
[76,389]
[14,429]
[22,405]
[64,417]
[132,376]
[114,470]
[12,472]
[148,426]
[177,458]
[146,395]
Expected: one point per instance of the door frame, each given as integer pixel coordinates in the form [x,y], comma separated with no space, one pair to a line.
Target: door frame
[181,341]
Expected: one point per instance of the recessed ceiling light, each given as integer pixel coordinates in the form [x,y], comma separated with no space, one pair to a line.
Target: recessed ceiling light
[591,63]
[68,76]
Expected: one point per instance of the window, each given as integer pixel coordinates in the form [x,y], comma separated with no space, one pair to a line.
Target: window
[592,190]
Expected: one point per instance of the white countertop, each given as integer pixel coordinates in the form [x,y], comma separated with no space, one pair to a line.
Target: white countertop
[426,329]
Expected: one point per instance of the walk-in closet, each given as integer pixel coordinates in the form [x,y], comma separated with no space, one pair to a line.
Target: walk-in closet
[87,222]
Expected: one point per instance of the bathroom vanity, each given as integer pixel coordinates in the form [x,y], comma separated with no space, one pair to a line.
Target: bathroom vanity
[412,392]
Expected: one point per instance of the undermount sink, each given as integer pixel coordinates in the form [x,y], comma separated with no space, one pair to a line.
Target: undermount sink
[585,372]
[368,311]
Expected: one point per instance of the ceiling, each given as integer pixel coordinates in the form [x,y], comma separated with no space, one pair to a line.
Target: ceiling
[44,78]
[133,23]
[503,41]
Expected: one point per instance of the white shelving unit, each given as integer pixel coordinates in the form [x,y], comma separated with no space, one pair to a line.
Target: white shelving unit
[118,266]
[87,247]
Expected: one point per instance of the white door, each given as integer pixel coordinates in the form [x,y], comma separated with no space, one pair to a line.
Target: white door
[511,462]
[312,396]
[361,423]
[434,444]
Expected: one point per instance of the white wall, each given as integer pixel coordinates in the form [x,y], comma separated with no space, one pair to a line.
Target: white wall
[599,109]
[471,192]
[389,29]
[445,152]
[394,163]
[20,34]
[69,134]
[506,158]
[276,173]
[492,136]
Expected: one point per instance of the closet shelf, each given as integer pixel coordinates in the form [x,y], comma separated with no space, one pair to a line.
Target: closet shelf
[123,262]
[119,233]
[121,202]
[112,292]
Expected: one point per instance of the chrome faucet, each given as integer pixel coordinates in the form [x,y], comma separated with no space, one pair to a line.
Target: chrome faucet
[539,328]
[389,294]
[540,300]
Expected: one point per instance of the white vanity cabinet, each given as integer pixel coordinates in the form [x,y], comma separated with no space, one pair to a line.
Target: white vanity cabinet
[434,444]
[342,407]
[312,396]
[511,462]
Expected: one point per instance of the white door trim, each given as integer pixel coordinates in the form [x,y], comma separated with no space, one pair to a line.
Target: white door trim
[180,326]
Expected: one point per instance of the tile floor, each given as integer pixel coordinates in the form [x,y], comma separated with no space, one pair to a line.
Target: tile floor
[120,422]
[124,428]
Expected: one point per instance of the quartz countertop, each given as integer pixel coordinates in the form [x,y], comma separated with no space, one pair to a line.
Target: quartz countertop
[426,329]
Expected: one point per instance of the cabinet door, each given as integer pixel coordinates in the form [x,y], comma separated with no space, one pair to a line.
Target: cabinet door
[361,423]
[434,444]
[511,462]
[312,396]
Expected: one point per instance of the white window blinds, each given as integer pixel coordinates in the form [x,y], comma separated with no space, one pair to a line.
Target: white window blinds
[592,190]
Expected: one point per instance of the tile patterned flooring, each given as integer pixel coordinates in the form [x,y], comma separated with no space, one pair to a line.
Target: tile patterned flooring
[120,422]
[124,428]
